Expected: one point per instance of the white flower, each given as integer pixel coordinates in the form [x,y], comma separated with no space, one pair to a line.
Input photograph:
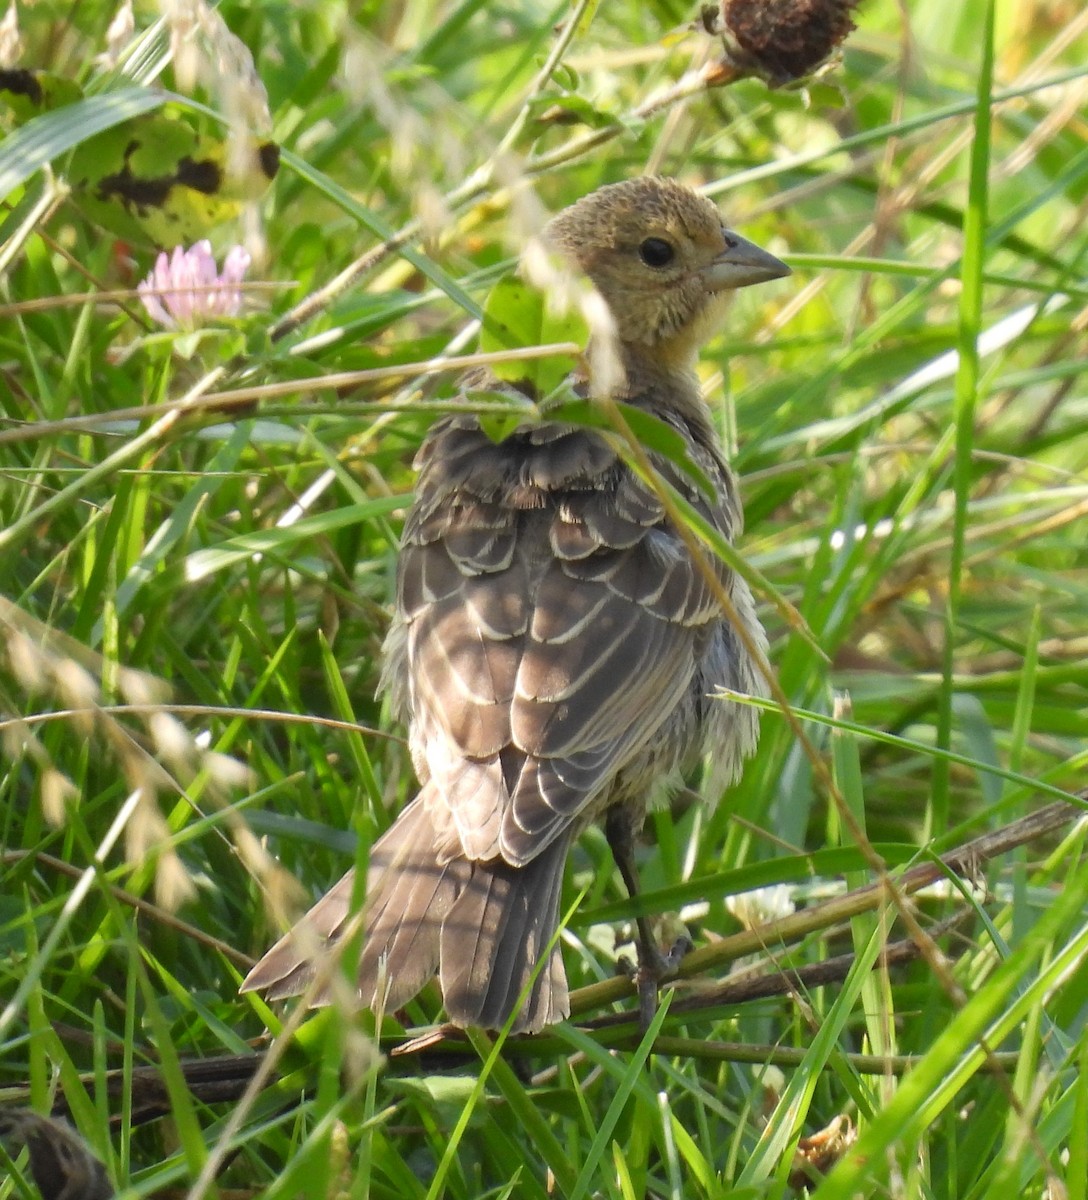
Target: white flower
[186,289]
[761,905]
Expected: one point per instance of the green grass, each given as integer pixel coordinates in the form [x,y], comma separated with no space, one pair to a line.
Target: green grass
[207,527]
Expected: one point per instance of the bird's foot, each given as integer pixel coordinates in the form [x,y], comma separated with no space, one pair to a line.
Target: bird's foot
[654,965]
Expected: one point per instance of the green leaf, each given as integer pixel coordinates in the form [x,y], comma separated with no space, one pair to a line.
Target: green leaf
[204,562]
[46,137]
[499,426]
[568,110]
[821,95]
[147,177]
[443,1094]
[517,315]
[157,178]
[652,432]
[28,93]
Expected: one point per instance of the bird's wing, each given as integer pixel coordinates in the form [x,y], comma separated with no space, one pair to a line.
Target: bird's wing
[553,624]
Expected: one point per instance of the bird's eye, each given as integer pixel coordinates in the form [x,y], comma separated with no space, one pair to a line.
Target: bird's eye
[656,252]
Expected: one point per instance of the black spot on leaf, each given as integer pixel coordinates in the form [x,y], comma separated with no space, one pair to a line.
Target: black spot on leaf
[21,83]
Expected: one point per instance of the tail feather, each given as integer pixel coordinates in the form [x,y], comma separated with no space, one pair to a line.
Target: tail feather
[412,893]
[289,967]
[482,926]
[493,939]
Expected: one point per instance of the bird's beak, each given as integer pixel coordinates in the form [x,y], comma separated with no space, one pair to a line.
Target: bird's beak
[742,264]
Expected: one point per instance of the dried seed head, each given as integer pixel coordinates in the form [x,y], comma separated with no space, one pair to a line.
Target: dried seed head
[226,771]
[147,836]
[567,292]
[783,40]
[28,662]
[605,365]
[173,884]
[57,790]
[138,687]
[173,741]
[206,52]
[16,739]
[11,40]
[119,33]
[78,691]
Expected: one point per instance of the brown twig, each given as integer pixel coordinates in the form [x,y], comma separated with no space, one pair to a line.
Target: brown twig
[964,860]
[225,1078]
[145,907]
[214,1077]
[483,180]
[243,398]
[784,981]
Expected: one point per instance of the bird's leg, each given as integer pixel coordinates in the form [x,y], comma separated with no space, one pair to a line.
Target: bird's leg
[653,965]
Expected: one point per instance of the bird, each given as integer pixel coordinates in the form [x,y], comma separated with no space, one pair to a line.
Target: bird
[61,1164]
[555,647]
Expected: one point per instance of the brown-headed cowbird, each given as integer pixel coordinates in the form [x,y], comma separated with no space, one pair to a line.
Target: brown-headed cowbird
[555,647]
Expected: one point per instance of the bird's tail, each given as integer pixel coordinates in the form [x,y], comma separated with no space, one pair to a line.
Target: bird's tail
[482,927]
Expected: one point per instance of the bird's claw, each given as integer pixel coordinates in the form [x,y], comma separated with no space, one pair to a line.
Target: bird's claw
[654,964]
[682,946]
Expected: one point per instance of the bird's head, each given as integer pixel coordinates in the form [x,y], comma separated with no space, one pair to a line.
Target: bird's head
[662,259]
